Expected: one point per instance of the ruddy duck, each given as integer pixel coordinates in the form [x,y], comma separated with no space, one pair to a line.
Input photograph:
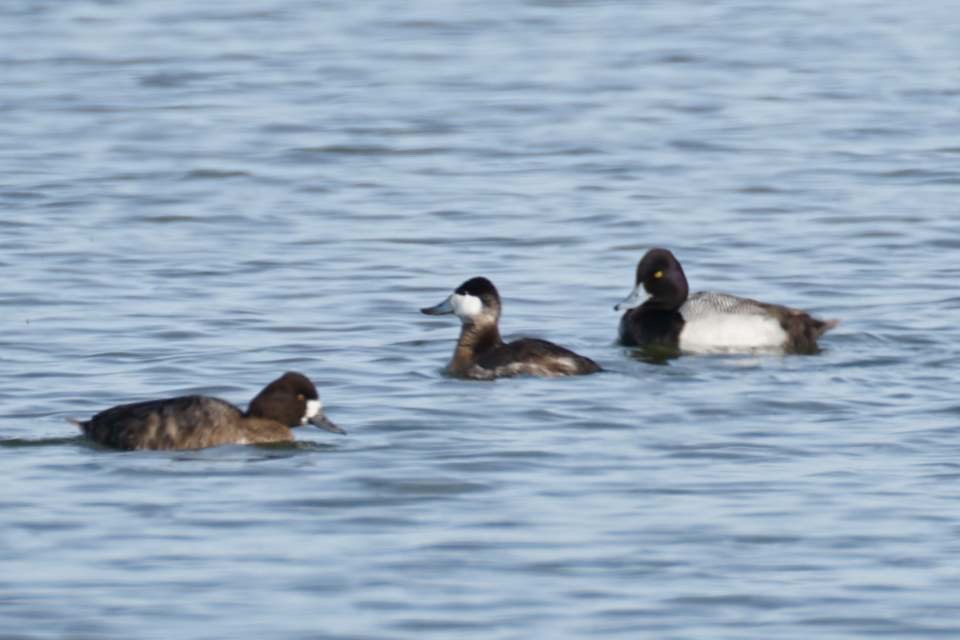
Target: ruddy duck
[196,422]
[707,321]
[481,354]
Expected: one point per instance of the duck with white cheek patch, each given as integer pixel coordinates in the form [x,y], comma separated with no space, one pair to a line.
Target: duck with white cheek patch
[481,354]
[196,422]
[708,322]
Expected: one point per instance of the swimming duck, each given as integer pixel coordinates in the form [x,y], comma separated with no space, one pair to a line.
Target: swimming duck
[707,321]
[196,422]
[481,354]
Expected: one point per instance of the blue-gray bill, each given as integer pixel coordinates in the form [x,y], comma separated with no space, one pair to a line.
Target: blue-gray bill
[324,423]
[635,299]
[443,308]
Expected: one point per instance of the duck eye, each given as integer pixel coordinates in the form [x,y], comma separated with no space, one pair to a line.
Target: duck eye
[299,396]
[658,274]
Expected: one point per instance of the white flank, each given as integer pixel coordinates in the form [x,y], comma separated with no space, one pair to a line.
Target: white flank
[731,332]
[466,306]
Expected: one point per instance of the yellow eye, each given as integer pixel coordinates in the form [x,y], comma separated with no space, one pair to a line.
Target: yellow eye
[299,396]
[658,274]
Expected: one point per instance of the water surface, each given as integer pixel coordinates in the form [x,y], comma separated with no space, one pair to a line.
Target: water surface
[197,197]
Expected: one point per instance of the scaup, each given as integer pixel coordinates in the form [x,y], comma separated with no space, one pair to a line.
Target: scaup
[708,321]
[196,422]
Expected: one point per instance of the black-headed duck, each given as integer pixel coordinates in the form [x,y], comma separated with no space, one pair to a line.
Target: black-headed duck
[708,322]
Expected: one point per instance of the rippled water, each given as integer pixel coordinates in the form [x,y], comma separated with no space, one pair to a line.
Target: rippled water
[198,196]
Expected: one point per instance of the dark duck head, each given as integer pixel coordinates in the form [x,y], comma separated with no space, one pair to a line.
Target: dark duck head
[291,400]
[660,276]
[475,302]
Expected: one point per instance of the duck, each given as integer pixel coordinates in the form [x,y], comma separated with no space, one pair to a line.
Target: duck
[481,354]
[197,422]
[660,313]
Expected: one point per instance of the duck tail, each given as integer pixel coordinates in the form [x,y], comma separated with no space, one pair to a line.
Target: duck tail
[76,421]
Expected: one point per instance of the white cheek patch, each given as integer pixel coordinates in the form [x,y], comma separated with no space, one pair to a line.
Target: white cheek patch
[466,305]
[313,408]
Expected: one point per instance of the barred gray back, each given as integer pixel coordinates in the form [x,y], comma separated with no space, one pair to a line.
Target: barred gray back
[707,303]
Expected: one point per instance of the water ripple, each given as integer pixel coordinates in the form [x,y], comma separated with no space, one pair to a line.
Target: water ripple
[194,204]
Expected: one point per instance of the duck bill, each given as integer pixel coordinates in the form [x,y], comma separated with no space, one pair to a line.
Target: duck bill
[635,299]
[441,309]
[324,423]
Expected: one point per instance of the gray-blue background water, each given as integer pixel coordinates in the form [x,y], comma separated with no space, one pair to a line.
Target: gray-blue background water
[198,196]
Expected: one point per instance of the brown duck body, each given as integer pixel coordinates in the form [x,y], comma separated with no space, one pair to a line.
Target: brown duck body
[187,422]
[481,354]
[196,422]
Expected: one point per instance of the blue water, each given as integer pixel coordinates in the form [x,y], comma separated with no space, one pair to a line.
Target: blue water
[198,196]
